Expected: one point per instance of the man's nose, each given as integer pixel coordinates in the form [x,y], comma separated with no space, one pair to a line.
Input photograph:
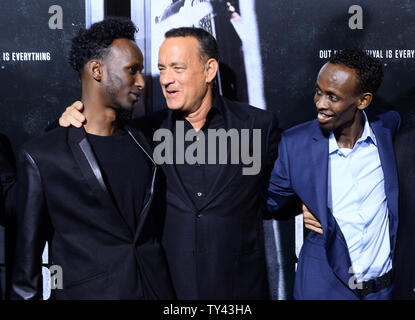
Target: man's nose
[139,81]
[166,77]
[321,102]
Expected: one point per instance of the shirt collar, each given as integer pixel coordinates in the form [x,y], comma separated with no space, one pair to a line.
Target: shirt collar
[367,135]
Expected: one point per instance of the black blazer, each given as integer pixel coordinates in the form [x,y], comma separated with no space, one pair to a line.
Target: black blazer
[62,198]
[404,269]
[7,179]
[218,252]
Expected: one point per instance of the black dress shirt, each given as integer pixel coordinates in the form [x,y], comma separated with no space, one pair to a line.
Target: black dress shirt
[198,178]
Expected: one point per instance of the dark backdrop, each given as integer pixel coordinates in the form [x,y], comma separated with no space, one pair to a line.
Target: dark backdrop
[35,92]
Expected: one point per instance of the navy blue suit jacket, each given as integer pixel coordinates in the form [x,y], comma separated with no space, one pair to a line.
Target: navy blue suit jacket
[301,170]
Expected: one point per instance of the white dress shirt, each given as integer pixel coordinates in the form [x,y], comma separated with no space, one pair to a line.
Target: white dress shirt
[358,202]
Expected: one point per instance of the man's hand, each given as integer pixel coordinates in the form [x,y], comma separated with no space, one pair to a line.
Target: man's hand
[310,221]
[73,116]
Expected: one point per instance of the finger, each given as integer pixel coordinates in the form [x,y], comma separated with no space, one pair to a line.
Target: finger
[63,122]
[78,105]
[67,120]
[73,119]
[307,215]
[77,124]
[312,228]
[74,116]
[306,211]
[312,222]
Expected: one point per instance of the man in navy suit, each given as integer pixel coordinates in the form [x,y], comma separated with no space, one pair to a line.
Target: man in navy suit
[342,167]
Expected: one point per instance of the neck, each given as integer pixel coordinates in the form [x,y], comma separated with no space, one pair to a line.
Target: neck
[347,136]
[198,118]
[100,119]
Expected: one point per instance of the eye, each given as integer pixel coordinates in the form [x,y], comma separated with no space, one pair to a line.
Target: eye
[179,69]
[318,92]
[133,70]
[333,98]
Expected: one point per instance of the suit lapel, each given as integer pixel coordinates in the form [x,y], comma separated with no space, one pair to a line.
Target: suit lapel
[320,157]
[143,144]
[86,160]
[336,247]
[390,173]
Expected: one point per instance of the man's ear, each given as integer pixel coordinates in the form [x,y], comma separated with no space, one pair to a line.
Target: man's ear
[211,69]
[95,69]
[364,100]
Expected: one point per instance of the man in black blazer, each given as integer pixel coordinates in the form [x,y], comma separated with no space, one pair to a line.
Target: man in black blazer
[213,233]
[87,191]
[404,275]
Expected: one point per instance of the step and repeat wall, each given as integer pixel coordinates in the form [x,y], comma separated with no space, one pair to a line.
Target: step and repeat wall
[271,52]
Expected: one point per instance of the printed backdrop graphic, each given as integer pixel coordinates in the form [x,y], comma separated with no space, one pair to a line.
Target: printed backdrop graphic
[37,81]
[296,37]
[270,54]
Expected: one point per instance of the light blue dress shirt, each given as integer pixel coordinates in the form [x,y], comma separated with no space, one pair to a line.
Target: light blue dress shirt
[358,202]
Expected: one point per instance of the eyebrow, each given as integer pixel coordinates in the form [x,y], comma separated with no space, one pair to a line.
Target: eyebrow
[328,92]
[173,64]
[136,64]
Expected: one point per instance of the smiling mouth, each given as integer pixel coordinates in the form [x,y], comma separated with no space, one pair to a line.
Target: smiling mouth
[171,93]
[324,117]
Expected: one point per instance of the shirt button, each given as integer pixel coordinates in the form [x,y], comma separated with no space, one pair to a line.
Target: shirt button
[199,194]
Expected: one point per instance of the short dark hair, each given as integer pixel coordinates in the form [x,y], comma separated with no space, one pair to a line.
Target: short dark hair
[368,70]
[93,43]
[208,46]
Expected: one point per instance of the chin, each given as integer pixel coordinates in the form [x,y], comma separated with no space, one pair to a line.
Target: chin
[174,107]
[126,106]
[326,127]
[121,107]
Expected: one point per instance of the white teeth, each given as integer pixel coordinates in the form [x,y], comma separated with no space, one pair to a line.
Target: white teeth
[322,116]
